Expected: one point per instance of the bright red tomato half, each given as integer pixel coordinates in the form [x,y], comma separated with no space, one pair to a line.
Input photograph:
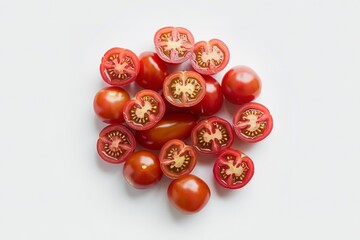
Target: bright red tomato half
[210,57]
[252,122]
[233,169]
[119,66]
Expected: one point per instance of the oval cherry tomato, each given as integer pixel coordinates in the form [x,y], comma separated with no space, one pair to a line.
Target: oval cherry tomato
[212,135]
[188,194]
[252,122]
[109,103]
[177,159]
[213,100]
[241,85]
[184,88]
[210,57]
[115,144]
[142,169]
[119,66]
[171,126]
[145,110]
[174,44]
[152,71]
[233,169]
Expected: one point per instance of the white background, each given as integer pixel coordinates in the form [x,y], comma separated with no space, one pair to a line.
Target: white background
[306,184]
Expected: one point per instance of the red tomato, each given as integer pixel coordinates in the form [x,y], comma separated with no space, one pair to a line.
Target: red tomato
[184,88]
[173,44]
[210,57]
[212,135]
[252,122]
[213,100]
[171,126]
[119,66]
[188,194]
[233,169]
[177,159]
[115,143]
[152,71]
[145,110]
[241,85]
[109,103]
[142,169]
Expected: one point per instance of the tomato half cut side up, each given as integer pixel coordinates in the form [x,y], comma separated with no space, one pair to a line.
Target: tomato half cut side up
[177,159]
[233,169]
[119,66]
[210,57]
[184,88]
[174,44]
[115,144]
[212,135]
[252,122]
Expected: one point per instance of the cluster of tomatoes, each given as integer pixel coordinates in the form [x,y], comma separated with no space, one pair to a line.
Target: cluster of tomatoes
[174,106]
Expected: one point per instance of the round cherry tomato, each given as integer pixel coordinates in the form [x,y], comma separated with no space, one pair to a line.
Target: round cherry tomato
[115,144]
[189,193]
[109,103]
[173,44]
[152,71]
[171,126]
[144,110]
[252,122]
[233,169]
[119,66]
[241,85]
[213,100]
[177,159]
[184,88]
[210,57]
[212,135]
[142,169]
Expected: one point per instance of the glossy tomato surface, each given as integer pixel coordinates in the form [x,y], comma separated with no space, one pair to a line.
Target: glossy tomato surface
[189,194]
[233,169]
[142,169]
[152,71]
[241,85]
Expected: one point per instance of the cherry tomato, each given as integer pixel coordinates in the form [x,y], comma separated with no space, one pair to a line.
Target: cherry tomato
[152,71]
[213,100]
[188,194]
[212,135]
[142,169]
[145,110]
[109,103]
[177,159]
[115,144]
[173,44]
[233,169]
[184,88]
[210,57]
[241,85]
[119,66]
[171,126]
[252,122]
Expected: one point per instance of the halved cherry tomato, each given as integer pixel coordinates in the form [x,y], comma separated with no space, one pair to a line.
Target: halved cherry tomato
[233,169]
[144,110]
[119,66]
[210,57]
[212,135]
[177,158]
[152,71]
[115,144]
[184,88]
[252,122]
[174,44]
[171,126]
